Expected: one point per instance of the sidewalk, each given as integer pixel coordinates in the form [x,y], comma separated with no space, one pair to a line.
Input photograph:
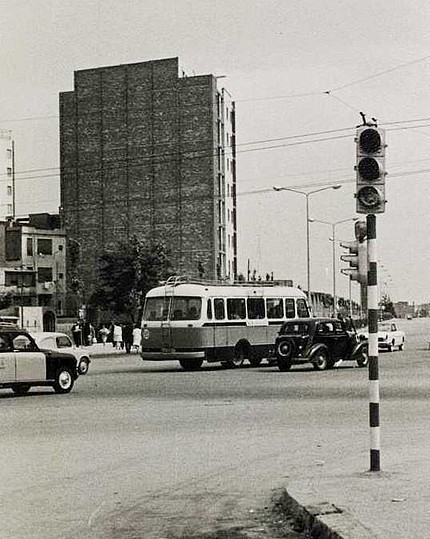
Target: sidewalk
[100,350]
[392,504]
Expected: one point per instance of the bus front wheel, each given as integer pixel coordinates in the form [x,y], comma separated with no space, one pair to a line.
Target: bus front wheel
[191,364]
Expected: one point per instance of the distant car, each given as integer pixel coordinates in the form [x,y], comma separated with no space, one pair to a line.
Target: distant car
[24,365]
[319,341]
[409,317]
[389,336]
[49,340]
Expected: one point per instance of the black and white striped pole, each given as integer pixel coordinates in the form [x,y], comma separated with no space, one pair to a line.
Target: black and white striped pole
[372,314]
[370,196]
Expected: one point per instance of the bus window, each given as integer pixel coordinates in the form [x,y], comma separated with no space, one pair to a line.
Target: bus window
[255,308]
[302,309]
[156,309]
[219,309]
[186,308]
[236,309]
[209,309]
[275,308]
[290,311]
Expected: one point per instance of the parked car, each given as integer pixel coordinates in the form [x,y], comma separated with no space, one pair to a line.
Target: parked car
[50,340]
[24,365]
[389,336]
[319,341]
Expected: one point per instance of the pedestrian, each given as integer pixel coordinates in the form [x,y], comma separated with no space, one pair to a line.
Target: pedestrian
[117,336]
[77,334]
[137,338]
[103,332]
[127,336]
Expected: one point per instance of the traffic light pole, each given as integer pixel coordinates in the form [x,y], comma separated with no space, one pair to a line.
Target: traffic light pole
[372,301]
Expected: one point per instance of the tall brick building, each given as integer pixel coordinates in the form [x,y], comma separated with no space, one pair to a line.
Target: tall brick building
[145,150]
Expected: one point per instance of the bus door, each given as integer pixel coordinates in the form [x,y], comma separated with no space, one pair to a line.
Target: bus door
[166,335]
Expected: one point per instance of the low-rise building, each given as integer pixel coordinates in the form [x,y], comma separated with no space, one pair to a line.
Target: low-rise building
[32,262]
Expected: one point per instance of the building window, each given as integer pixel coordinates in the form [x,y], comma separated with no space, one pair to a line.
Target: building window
[44,275]
[44,246]
[19,278]
[29,246]
[9,153]
[9,190]
[9,171]
[9,209]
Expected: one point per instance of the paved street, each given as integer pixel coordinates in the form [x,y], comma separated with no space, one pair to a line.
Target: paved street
[148,450]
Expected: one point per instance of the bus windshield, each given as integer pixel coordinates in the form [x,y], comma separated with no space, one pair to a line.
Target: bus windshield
[156,308]
[185,308]
[181,308]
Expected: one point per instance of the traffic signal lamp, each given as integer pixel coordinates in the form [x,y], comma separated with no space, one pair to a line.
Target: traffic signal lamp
[352,258]
[357,258]
[370,169]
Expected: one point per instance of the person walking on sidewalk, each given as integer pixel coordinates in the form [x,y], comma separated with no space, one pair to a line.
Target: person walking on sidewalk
[117,336]
[103,332]
[137,338]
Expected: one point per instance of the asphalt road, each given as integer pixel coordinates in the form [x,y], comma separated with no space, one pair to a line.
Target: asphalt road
[148,450]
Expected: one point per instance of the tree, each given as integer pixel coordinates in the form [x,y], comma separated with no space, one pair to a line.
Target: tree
[126,275]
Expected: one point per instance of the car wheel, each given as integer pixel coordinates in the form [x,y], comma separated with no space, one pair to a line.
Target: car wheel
[362,358]
[320,360]
[402,345]
[21,389]
[83,366]
[191,364]
[64,380]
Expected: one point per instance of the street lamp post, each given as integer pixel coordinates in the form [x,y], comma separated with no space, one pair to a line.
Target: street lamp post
[333,231]
[307,194]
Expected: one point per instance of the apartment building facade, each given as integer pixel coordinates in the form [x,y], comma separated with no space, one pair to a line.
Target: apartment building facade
[33,262]
[6,174]
[146,150]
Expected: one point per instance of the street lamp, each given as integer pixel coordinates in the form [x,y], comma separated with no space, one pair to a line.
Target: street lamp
[333,228]
[307,194]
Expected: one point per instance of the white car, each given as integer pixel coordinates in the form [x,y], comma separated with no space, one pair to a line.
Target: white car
[49,340]
[389,336]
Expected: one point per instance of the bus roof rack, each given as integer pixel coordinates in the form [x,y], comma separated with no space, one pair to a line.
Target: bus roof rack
[176,280]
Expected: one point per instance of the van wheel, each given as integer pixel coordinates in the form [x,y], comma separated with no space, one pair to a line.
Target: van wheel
[191,364]
[64,380]
[22,389]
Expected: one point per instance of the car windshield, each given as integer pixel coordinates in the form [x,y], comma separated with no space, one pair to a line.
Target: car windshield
[296,328]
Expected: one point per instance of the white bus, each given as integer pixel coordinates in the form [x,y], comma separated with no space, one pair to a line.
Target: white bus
[193,322]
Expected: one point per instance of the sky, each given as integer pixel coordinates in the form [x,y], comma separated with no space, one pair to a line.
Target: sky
[300,73]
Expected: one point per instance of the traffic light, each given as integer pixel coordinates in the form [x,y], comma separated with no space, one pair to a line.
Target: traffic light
[357,258]
[370,168]
[352,258]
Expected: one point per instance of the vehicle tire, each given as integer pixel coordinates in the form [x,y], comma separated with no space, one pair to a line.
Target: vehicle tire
[255,361]
[191,364]
[64,380]
[83,366]
[21,389]
[320,360]
[241,352]
[402,345]
[285,349]
[362,358]
[284,365]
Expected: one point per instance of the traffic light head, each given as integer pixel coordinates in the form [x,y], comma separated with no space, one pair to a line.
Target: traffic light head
[357,259]
[370,168]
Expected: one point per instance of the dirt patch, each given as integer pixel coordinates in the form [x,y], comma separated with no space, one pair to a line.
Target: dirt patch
[284,518]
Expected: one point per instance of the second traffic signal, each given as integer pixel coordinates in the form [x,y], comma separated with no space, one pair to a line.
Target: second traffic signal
[370,168]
